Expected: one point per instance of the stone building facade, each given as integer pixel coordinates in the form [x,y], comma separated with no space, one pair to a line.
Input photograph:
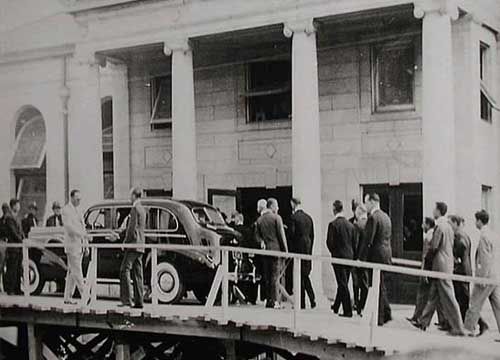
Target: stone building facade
[231,101]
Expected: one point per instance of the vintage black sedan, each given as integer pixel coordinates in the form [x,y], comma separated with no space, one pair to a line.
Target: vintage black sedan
[168,222]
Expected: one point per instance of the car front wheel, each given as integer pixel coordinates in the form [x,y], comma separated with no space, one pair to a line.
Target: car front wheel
[169,284]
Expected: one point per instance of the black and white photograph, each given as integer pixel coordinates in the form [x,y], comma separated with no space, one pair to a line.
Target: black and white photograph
[249,179]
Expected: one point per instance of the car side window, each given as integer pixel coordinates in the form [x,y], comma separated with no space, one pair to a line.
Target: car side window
[161,219]
[122,218]
[99,219]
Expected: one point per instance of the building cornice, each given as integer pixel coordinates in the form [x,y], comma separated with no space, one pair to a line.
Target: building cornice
[37,54]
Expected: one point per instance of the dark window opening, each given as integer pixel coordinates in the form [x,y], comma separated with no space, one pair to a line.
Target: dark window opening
[394,75]
[269,91]
[157,193]
[161,102]
[486,108]
[107,148]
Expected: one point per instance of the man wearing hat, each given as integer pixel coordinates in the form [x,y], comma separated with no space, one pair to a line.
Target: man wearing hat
[30,219]
[56,218]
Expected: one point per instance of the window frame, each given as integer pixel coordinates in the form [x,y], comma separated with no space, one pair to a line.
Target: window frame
[159,208]
[249,94]
[159,123]
[375,73]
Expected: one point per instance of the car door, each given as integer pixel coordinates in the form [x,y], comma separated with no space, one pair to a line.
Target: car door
[98,222]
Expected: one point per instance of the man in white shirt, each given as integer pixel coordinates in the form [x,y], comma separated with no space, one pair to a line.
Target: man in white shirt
[487,266]
[75,238]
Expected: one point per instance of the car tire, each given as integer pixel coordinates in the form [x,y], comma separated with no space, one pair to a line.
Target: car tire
[169,283]
[37,281]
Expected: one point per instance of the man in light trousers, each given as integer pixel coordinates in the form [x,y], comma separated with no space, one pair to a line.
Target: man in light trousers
[488,267]
[75,238]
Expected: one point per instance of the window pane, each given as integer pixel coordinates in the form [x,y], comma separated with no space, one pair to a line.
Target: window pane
[167,221]
[412,222]
[486,108]
[122,218]
[99,219]
[270,86]
[395,74]
[163,86]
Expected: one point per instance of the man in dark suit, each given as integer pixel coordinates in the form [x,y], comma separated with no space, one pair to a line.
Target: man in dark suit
[361,285]
[340,241]
[56,218]
[378,240]
[270,234]
[14,235]
[132,260]
[30,219]
[462,263]
[302,238]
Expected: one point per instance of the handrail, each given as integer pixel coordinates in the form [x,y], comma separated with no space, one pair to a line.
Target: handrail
[223,275]
[332,260]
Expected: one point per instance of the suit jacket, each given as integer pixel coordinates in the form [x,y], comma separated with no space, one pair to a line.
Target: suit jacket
[441,247]
[378,234]
[12,229]
[487,255]
[301,232]
[461,254]
[74,229]
[27,223]
[360,245]
[136,226]
[269,229]
[340,238]
[54,220]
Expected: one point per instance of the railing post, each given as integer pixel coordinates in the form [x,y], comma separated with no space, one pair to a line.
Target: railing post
[376,295]
[93,283]
[154,273]
[26,269]
[225,281]
[296,291]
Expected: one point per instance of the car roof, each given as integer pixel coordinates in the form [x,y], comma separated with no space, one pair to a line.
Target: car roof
[151,201]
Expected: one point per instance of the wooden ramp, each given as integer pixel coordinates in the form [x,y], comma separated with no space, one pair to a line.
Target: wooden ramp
[320,327]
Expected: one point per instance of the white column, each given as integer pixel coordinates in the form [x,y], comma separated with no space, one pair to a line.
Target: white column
[306,155]
[121,131]
[184,167]
[438,112]
[85,130]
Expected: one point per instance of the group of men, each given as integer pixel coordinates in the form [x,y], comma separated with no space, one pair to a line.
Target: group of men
[365,237]
[447,249]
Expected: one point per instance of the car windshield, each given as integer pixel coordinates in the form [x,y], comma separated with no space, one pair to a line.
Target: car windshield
[208,215]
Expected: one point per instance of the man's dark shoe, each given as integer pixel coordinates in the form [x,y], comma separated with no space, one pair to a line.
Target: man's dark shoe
[313,304]
[138,306]
[346,315]
[418,325]
[482,329]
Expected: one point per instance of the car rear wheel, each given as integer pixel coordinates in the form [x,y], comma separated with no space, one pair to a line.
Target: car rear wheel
[169,283]
[37,282]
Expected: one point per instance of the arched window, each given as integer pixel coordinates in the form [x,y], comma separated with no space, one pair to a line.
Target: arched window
[28,159]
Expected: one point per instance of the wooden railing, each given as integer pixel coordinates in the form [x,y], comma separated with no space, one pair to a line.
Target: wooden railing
[223,276]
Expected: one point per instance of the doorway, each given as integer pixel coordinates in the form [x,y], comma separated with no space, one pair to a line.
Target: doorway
[404,205]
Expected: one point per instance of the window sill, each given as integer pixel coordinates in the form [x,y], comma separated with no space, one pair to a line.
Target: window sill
[265,125]
[406,114]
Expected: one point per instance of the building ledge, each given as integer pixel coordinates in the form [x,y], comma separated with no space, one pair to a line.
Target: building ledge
[74,6]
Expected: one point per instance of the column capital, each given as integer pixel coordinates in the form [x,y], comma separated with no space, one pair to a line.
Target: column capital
[443,7]
[89,58]
[172,45]
[306,26]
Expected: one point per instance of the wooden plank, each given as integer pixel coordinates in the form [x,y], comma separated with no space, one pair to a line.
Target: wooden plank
[34,344]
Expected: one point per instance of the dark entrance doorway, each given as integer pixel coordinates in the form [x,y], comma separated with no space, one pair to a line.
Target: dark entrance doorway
[248,198]
[404,205]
